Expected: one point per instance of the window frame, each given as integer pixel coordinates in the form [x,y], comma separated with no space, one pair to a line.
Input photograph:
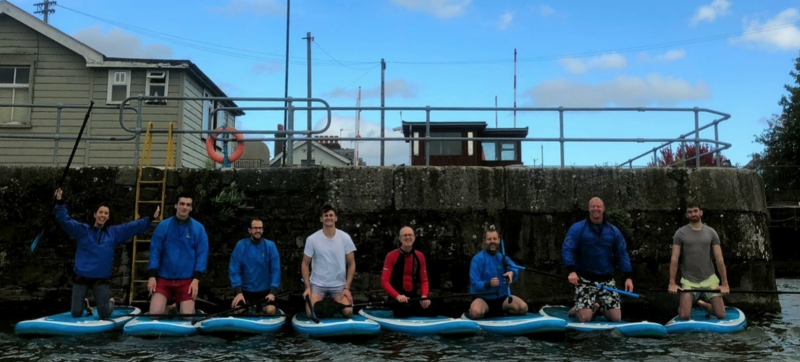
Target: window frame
[112,82]
[439,144]
[498,148]
[26,121]
[148,85]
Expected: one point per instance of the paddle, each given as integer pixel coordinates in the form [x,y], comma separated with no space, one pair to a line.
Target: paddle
[329,307]
[311,308]
[731,291]
[505,268]
[597,285]
[240,307]
[64,174]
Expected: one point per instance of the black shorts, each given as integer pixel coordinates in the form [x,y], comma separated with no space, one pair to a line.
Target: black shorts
[495,306]
[253,297]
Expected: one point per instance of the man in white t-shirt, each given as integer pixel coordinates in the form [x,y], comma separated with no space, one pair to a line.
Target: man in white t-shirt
[330,253]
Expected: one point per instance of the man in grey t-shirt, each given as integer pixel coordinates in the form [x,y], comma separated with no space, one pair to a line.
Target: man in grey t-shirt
[330,254]
[693,245]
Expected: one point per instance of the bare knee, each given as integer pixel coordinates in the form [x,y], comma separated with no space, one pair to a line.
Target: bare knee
[347,312]
[584,315]
[475,312]
[270,310]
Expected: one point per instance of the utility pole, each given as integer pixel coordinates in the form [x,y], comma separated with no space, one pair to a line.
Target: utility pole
[383,98]
[44,8]
[309,39]
[286,146]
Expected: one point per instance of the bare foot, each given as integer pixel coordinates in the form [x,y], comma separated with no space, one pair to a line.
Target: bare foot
[87,307]
[172,308]
[572,312]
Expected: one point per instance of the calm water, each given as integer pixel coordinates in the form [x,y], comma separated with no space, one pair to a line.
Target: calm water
[768,337]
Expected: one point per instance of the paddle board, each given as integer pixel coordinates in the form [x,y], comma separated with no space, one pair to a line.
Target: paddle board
[64,324]
[700,321]
[517,325]
[160,327]
[421,325]
[630,329]
[335,327]
[249,324]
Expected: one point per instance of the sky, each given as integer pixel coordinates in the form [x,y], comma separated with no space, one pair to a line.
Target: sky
[732,56]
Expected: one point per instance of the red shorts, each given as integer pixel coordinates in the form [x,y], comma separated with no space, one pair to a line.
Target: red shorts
[177,289]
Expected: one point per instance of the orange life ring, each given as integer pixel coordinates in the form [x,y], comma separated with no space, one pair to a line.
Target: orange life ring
[212,152]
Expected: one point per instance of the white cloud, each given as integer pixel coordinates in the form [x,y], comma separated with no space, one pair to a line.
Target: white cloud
[622,91]
[669,56]
[119,44]
[710,12]
[443,9]
[395,152]
[270,67]
[263,8]
[777,33]
[505,20]
[544,10]
[394,88]
[605,61]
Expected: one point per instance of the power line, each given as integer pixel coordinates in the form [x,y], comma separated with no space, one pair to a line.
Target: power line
[329,55]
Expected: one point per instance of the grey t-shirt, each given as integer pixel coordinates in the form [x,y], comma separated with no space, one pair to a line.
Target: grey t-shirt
[696,264]
[329,258]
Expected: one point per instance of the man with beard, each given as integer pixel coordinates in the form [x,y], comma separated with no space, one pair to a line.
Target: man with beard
[692,245]
[255,270]
[591,248]
[490,271]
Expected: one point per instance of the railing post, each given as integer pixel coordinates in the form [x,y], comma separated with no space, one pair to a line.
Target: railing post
[716,145]
[696,137]
[58,134]
[655,158]
[290,136]
[561,132]
[138,130]
[427,135]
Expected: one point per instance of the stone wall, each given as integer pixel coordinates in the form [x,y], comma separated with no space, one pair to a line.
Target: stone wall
[447,206]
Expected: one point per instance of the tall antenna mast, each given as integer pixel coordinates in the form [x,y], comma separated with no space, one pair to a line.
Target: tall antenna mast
[515,87]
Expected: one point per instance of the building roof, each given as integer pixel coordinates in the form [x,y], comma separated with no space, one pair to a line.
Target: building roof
[316,145]
[95,59]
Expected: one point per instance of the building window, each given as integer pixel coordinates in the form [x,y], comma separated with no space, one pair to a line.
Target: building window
[15,89]
[470,150]
[119,86]
[445,148]
[416,144]
[157,85]
[499,151]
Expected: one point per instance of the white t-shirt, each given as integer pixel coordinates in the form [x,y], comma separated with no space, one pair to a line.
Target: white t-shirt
[329,258]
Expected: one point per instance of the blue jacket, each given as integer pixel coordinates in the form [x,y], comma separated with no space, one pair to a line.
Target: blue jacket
[484,267]
[593,256]
[255,267]
[96,246]
[178,251]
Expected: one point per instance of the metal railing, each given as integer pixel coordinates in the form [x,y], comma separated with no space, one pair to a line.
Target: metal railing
[291,133]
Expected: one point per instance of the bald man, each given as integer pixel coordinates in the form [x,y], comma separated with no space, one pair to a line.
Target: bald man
[590,250]
[406,277]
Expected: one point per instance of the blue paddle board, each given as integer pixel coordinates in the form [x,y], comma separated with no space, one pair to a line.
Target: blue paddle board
[335,327]
[160,327]
[64,324]
[700,321]
[249,324]
[631,329]
[421,325]
[517,325]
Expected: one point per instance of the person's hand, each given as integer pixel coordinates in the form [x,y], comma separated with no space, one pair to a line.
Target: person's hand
[158,212]
[236,300]
[347,295]
[629,285]
[573,278]
[724,289]
[495,282]
[509,276]
[674,288]
[402,298]
[58,193]
[151,285]
[194,288]
[307,293]
[425,303]
[270,298]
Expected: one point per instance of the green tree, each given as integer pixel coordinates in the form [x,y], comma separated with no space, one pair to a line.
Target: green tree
[781,139]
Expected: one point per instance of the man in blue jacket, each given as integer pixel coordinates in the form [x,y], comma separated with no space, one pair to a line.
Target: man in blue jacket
[255,269]
[490,271]
[178,257]
[590,250]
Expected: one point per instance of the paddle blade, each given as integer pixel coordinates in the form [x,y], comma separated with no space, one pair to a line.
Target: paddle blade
[327,308]
[36,241]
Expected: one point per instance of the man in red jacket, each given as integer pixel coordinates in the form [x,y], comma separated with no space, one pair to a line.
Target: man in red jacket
[406,277]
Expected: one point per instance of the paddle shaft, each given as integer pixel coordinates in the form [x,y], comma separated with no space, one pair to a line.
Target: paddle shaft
[382,302]
[66,169]
[597,285]
[738,291]
[505,268]
[240,307]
